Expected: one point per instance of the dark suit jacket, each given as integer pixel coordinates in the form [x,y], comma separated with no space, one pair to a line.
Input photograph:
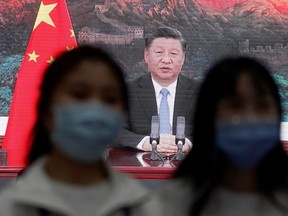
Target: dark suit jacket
[143,105]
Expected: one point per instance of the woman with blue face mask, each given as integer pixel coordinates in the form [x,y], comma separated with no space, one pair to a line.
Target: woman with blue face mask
[83,99]
[237,165]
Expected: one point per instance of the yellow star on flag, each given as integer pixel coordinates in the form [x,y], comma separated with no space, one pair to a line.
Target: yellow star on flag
[43,14]
[50,60]
[72,33]
[33,56]
[69,48]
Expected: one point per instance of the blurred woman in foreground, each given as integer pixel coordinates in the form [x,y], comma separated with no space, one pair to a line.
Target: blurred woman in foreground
[82,102]
[237,165]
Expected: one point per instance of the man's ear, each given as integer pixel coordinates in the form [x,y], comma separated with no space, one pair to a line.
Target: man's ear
[146,54]
[183,57]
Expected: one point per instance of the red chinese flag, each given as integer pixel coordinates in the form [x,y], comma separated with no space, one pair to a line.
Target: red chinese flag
[52,33]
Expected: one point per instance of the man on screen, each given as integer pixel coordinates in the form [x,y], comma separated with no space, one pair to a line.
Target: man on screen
[163,91]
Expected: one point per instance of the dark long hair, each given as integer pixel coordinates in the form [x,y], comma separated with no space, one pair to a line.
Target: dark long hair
[204,164]
[54,74]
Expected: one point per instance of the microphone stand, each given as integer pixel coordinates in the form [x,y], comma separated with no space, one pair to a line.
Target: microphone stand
[180,155]
[154,154]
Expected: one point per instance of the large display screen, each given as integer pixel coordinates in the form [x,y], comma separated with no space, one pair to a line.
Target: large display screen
[212,28]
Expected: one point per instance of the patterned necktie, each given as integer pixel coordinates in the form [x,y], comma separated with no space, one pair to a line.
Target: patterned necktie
[164,114]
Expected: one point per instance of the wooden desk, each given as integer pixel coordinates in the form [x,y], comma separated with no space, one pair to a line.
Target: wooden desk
[132,163]
[138,165]
[9,172]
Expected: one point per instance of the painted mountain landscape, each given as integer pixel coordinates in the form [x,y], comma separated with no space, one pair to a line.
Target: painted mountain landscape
[212,28]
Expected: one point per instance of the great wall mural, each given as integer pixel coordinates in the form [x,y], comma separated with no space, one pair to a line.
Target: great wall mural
[213,29]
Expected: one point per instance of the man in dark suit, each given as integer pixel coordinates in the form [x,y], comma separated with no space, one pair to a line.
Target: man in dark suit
[164,54]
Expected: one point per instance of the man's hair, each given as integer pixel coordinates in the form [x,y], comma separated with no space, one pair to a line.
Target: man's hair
[165,32]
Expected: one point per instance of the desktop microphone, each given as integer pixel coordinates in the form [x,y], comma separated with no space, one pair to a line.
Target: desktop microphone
[179,139]
[154,136]
[180,130]
[154,140]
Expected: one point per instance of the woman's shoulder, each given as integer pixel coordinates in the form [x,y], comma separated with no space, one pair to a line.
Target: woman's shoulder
[281,196]
[175,196]
[8,200]
[130,192]
[178,186]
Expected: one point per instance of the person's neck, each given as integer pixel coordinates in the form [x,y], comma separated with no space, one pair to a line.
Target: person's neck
[70,171]
[240,180]
[164,83]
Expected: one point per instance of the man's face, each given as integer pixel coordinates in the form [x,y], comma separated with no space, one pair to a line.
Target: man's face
[164,58]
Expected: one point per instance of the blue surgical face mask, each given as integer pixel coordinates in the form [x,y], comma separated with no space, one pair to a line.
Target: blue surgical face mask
[83,131]
[247,142]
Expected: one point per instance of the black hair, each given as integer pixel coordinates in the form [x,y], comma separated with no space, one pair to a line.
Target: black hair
[165,32]
[54,74]
[204,164]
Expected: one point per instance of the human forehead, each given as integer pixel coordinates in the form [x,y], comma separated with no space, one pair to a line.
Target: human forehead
[166,43]
[92,71]
[247,89]
[251,86]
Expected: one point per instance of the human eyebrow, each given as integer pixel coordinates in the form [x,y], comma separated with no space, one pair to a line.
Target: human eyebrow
[175,50]
[158,49]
